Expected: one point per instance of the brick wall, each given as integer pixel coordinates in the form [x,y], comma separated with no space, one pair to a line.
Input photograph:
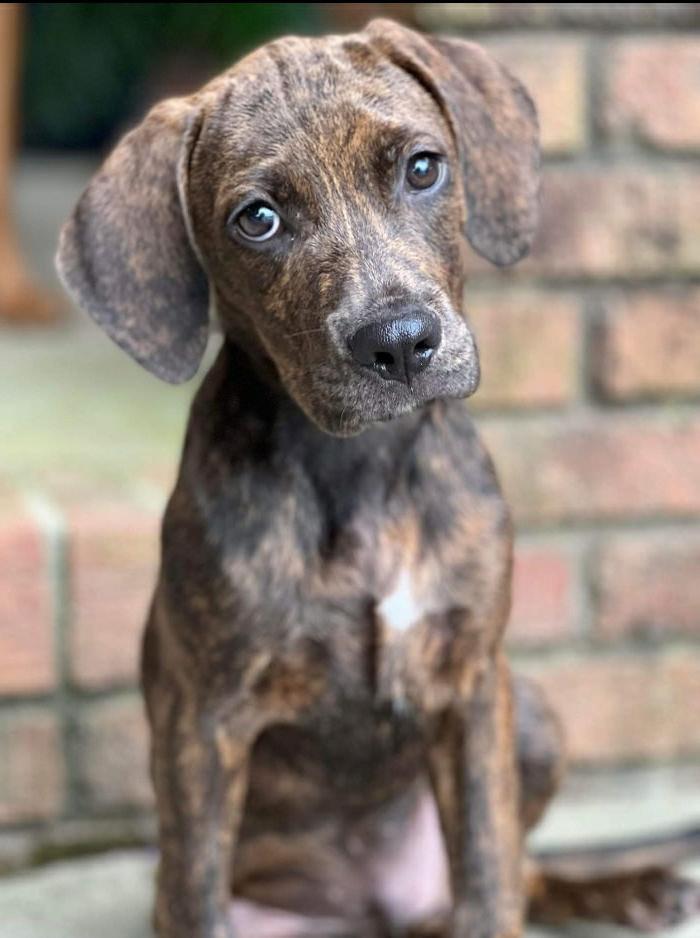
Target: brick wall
[591,380]
[76,571]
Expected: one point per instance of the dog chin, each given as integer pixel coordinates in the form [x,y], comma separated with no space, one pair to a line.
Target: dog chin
[352,422]
[349,422]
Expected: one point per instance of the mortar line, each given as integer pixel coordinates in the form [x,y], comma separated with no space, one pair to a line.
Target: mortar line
[52,523]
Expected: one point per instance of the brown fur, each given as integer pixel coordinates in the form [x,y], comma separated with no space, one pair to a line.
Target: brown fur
[330,707]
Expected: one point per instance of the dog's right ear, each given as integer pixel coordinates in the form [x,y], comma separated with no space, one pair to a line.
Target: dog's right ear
[494,124]
[126,254]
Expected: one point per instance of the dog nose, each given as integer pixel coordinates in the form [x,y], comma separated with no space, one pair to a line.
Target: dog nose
[397,349]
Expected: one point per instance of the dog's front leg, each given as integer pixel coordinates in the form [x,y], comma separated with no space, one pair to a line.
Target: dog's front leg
[473,772]
[200,764]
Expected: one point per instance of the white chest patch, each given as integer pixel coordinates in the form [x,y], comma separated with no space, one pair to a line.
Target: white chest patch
[400,610]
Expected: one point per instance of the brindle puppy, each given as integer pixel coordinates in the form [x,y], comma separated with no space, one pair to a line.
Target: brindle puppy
[331,711]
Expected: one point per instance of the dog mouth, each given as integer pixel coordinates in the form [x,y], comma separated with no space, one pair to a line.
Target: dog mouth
[350,406]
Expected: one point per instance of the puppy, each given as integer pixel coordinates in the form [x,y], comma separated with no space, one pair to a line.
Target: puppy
[335,742]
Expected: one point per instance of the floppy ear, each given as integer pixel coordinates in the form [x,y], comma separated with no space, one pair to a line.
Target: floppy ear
[125,255]
[494,124]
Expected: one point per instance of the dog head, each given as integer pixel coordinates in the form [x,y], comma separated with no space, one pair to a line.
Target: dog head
[317,193]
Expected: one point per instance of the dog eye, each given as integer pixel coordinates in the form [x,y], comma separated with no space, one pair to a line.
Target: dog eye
[424,171]
[257,222]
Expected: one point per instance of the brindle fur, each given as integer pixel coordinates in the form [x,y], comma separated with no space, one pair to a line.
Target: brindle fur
[322,664]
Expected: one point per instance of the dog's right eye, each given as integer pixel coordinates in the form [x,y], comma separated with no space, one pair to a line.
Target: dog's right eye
[257,222]
[424,171]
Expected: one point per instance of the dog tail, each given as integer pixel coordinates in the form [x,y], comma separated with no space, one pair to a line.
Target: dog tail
[632,884]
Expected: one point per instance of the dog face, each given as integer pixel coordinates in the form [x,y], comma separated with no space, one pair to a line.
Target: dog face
[333,208]
[317,192]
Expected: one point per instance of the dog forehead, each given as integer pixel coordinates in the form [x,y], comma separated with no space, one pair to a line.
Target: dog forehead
[316,91]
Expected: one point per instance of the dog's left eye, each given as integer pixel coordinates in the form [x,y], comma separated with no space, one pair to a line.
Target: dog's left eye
[257,222]
[424,171]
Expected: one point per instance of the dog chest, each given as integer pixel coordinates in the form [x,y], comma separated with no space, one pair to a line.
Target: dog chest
[332,581]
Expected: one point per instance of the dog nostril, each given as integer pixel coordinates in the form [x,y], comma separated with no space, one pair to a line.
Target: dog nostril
[384,358]
[423,346]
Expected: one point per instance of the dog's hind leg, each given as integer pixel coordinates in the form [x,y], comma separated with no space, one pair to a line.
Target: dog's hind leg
[540,750]
[649,899]
[626,884]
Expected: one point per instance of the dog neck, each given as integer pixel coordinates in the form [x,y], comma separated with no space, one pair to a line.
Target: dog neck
[243,417]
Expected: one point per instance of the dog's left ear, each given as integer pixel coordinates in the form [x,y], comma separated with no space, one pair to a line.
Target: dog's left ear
[495,128]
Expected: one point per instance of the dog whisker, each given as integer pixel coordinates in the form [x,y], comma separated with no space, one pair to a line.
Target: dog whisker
[304,332]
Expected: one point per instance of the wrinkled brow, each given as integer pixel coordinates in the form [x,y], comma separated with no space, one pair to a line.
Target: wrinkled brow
[287,175]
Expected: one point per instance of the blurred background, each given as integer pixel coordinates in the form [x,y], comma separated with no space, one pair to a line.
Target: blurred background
[589,403]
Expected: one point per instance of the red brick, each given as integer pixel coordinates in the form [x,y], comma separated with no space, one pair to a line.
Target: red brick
[31,768]
[613,223]
[648,585]
[621,709]
[528,346]
[113,565]
[113,754]
[619,222]
[26,630]
[599,467]
[553,69]
[544,586]
[648,345]
[654,91]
